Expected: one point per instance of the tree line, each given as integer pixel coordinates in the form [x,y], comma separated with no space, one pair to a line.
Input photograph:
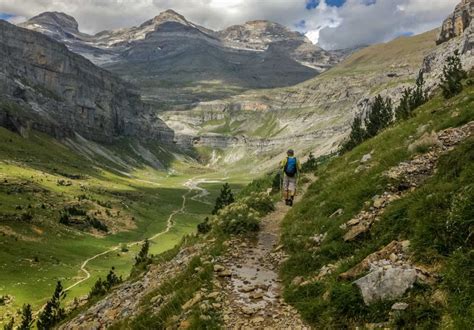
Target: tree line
[382,114]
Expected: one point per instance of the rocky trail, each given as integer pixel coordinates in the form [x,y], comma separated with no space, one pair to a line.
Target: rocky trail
[248,278]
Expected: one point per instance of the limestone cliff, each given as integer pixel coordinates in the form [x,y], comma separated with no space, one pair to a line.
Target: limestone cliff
[45,86]
[457,22]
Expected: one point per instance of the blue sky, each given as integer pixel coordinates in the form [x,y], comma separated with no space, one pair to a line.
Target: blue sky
[331,23]
[6,16]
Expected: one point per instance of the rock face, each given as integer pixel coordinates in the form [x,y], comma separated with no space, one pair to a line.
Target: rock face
[53,90]
[261,35]
[457,22]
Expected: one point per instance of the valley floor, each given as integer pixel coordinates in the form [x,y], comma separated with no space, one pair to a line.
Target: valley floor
[42,179]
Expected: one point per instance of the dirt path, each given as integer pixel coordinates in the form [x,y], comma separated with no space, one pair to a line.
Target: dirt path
[191,185]
[253,291]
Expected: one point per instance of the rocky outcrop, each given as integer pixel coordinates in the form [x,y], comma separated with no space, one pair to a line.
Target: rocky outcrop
[457,34]
[46,87]
[457,22]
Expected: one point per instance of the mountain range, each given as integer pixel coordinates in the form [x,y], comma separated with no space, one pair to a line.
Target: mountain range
[168,52]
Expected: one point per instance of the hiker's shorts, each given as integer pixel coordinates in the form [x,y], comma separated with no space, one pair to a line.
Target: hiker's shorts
[289,183]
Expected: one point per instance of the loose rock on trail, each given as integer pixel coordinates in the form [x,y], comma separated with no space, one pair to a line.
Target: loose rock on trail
[248,278]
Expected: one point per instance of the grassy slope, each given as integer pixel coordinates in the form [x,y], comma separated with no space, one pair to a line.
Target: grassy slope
[420,217]
[36,252]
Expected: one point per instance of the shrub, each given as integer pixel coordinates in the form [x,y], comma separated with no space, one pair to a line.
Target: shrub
[310,165]
[97,224]
[204,227]
[238,218]
[260,202]
[64,218]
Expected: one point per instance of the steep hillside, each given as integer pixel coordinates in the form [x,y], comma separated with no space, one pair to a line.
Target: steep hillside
[46,87]
[383,238]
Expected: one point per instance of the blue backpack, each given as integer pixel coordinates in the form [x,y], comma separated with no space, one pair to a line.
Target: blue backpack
[291,167]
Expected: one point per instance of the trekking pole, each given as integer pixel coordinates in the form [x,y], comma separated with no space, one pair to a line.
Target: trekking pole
[296,183]
[281,184]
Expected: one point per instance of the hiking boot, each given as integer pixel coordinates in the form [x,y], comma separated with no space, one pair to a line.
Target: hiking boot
[290,202]
[287,201]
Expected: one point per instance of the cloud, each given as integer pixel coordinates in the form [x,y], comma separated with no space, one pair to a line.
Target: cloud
[366,22]
[332,23]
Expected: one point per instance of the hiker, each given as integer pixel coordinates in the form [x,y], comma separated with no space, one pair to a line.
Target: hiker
[291,167]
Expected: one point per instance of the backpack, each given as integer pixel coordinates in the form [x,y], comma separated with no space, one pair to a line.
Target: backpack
[291,167]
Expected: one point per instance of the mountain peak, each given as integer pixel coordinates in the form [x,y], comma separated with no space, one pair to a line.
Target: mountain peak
[169,16]
[57,19]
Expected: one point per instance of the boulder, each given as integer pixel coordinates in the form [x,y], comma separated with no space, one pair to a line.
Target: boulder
[366,158]
[382,284]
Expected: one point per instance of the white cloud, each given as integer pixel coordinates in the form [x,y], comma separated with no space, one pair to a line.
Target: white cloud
[384,20]
[352,24]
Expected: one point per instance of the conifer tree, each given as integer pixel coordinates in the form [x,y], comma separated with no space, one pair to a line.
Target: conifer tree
[52,312]
[418,95]
[225,198]
[112,279]
[26,318]
[10,325]
[142,256]
[403,110]
[453,74]
[357,135]
[379,116]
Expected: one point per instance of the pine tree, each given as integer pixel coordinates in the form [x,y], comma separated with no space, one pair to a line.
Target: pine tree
[10,325]
[225,198]
[357,135]
[52,312]
[26,318]
[98,289]
[453,74]
[112,279]
[411,99]
[142,256]
[101,287]
[403,110]
[418,96]
[379,116]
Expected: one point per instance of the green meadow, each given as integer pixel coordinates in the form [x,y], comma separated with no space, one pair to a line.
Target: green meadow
[41,179]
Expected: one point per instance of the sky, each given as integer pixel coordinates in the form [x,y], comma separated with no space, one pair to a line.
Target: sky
[333,24]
